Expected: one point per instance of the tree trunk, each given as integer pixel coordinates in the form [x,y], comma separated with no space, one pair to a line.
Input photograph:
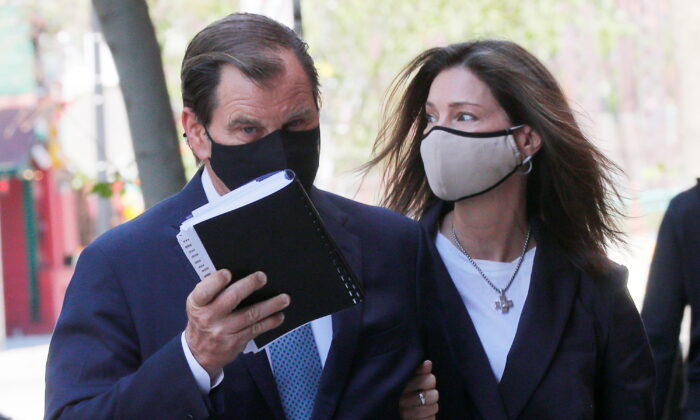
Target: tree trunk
[128,31]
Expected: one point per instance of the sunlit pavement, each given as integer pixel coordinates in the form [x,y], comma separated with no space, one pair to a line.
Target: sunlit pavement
[23,360]
[22,365]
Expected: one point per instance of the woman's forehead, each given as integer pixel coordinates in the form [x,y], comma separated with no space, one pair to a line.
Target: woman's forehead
[460,85]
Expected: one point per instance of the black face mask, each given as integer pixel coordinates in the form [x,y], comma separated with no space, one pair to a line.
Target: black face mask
[281,149]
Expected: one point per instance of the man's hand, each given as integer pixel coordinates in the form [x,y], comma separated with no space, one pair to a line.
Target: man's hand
[216,331]
[423,384]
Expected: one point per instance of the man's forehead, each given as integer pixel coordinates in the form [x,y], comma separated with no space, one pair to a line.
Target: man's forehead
[291,80]
[286,96]
[287,70]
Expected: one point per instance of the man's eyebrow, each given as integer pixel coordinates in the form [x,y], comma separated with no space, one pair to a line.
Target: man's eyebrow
[242,120]
[300,113]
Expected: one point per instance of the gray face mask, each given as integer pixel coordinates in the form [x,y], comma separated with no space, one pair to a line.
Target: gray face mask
[462,164]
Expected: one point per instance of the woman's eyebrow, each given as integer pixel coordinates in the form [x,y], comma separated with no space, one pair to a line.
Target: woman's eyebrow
[454,104]
[462,103]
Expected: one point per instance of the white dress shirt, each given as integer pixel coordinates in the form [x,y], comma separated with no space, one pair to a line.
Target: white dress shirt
[496,330]
[322,328]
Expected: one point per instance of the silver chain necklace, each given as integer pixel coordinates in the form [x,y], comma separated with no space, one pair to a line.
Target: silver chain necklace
[502,304]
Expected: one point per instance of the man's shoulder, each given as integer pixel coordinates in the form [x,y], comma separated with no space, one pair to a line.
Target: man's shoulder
[684,208]
[688,199]
[157,223]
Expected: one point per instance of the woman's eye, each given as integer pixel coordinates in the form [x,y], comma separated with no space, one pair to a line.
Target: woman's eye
[430,118]
[465,117]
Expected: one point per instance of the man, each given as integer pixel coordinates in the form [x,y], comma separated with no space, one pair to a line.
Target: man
[140,337]
[674,283]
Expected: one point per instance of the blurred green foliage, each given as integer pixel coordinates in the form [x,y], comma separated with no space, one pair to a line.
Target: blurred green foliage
[360,46]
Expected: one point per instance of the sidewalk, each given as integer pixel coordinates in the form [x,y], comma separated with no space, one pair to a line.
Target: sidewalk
[22,365]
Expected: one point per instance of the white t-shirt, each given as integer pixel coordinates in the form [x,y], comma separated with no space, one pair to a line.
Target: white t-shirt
[496,330]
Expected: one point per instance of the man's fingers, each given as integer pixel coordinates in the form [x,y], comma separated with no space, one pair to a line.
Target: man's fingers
[232,296]
[421,383]
[245,317]
[210,286]
[265,325]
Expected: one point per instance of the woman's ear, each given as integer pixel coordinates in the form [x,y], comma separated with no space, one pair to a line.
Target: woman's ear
[528,140]
[196,137]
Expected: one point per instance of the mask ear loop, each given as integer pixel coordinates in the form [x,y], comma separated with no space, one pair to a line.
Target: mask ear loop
[525,162]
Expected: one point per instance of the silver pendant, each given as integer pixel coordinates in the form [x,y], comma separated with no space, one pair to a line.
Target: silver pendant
[503,304]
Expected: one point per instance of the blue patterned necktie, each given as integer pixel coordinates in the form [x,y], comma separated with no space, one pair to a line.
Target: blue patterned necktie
[297,370]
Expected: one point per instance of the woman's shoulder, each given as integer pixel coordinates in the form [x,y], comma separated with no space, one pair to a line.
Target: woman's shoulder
[607,278]
[604,292]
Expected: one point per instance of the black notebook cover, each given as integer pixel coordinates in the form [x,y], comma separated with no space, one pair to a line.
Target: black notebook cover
[283,236]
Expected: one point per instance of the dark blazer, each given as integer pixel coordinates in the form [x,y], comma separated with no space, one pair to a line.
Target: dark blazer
[580,351]
[674,282]
[116,351]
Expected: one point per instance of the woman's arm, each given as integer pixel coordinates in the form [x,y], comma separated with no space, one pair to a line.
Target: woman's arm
[626,382]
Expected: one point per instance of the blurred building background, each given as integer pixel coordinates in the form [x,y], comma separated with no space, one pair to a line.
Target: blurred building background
[626,65]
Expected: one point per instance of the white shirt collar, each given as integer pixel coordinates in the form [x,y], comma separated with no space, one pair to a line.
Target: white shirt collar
[208,185]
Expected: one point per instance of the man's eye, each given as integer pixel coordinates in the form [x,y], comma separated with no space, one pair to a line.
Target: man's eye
[294,124]
[249,130]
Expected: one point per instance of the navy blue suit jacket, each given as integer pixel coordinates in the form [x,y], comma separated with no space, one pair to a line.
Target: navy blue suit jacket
[580,351]
[116,351]
[674,282]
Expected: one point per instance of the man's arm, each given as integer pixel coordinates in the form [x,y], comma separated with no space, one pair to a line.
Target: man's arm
[664,303]
[95,368]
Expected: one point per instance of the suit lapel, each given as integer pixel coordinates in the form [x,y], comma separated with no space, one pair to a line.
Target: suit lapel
[462,339]
[259,368]
[553,286]
[346,323]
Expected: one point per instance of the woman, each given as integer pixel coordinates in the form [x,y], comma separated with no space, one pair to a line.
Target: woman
[523,315]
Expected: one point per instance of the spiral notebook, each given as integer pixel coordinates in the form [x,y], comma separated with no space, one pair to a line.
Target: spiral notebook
[271,225]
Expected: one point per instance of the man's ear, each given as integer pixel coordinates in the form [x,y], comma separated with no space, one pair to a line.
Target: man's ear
[196,136]
[528,140]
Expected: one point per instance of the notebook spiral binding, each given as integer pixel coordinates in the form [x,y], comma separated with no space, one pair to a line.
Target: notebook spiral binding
[353,292]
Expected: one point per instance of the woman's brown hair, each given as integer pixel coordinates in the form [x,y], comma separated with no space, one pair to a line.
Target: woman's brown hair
[571,187]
